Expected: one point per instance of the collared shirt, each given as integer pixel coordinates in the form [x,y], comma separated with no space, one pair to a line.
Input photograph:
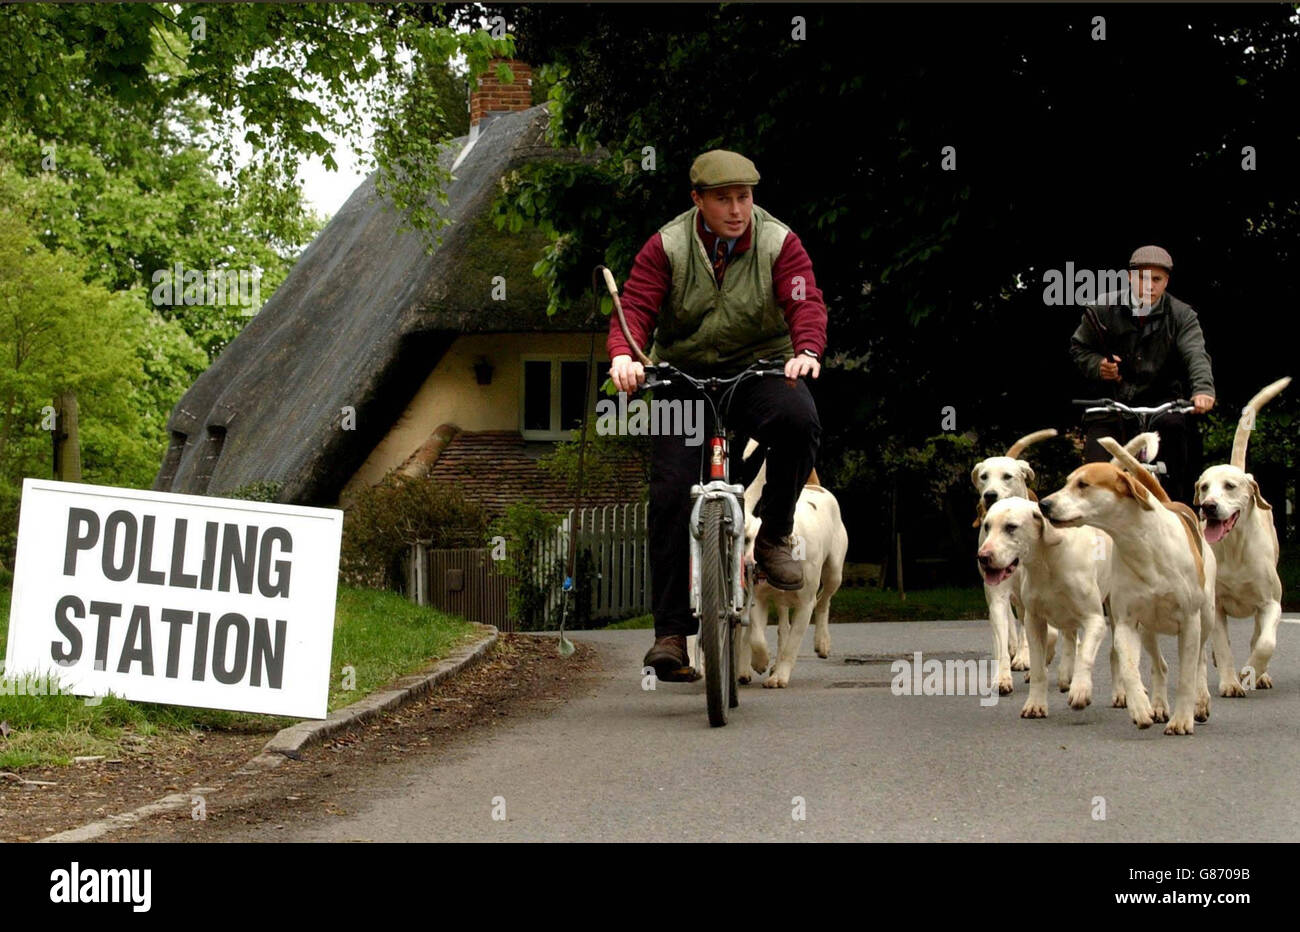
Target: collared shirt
[735,245]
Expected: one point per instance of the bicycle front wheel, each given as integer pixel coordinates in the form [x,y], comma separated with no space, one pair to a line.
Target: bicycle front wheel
[716,628]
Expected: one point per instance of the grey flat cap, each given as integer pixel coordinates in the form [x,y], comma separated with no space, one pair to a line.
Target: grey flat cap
[1151,255]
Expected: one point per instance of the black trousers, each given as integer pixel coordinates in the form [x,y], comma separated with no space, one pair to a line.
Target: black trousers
[780,416]
[1173,429]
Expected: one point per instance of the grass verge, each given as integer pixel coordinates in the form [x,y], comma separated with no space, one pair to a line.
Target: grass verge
[379,635]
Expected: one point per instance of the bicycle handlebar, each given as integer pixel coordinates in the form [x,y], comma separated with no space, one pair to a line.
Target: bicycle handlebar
[1181,404]
[664,374]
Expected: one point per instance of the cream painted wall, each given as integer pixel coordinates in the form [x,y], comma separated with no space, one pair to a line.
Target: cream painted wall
[450,395]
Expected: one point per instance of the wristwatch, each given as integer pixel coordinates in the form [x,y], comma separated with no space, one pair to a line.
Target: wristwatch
[808,352]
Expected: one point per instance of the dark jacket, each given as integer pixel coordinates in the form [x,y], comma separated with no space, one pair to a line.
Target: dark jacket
[1161,359]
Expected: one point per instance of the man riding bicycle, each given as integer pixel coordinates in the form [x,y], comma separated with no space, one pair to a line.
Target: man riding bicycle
[1157,350]
[723,285]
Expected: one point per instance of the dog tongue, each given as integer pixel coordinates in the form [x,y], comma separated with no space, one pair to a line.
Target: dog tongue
[1216,530]
[997,576]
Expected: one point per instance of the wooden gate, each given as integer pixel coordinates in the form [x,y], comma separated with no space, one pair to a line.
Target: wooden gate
[466,582]
[615,536]
[463,582]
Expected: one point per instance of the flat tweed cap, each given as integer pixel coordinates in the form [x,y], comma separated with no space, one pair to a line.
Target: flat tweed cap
[718,167]
[1151,255]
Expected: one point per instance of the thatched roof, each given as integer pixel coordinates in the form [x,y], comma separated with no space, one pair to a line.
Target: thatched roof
[361,320]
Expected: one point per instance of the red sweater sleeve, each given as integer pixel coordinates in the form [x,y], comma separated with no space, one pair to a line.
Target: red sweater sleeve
[642,295]
[806,314]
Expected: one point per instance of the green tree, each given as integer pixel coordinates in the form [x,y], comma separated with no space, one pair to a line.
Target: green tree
[59,333]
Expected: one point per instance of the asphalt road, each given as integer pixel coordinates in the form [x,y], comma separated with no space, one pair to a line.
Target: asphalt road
[628,764]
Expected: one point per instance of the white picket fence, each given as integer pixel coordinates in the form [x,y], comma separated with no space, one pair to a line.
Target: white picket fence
[616,535]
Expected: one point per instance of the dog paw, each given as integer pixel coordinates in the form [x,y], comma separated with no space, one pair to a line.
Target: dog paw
[779,679]
[1202,713]
[1118,700]
[1063,685]
[744,678]
[1005,686]
[758,658]
[1032,709]
[823,653]
[1180,725]
[1159,710]
[1080,696]
[1019,662]
[1264,682]
[1140,711]
[1232,689]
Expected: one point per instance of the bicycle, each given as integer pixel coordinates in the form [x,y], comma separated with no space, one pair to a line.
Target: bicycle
[1144,415]
[721,585]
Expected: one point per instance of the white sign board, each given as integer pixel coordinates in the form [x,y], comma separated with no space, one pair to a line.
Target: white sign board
[182,599]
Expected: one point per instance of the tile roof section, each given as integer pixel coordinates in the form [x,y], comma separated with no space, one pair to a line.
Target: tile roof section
[498,468]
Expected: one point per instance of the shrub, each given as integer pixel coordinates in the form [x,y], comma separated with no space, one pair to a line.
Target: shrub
[525,526]
[385,520]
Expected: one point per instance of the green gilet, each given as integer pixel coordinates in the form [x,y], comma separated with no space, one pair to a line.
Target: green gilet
[712,330]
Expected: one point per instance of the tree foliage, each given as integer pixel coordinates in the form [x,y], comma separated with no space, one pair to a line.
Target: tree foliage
[138,139]
[1065,147]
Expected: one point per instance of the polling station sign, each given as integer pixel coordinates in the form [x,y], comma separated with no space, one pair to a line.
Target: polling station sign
[182,599]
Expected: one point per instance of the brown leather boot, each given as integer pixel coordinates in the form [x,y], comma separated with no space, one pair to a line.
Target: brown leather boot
[669,659]
[774,559]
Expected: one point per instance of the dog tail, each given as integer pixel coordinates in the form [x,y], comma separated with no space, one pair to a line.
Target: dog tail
[1127,460]
[1246,423]
[1144,448]
[1029,440]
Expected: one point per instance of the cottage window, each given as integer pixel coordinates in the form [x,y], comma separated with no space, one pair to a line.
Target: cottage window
[553,390]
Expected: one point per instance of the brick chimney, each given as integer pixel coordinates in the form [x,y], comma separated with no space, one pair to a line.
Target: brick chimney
[491,97]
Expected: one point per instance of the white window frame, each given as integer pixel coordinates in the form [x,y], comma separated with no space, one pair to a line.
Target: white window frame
[554,359]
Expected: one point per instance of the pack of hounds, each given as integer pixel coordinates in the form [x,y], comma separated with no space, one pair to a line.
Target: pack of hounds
[1107,550]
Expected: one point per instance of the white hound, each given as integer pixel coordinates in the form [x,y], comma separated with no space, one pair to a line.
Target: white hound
[996,478]
[820,544]
[1163,579]
[1066,575]
[1239,528]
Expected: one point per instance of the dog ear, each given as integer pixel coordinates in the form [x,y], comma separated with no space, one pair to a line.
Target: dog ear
[1026,471]
[1196,490]
[1137,490]
[1254,493]
[975,474]
[979,513]
[1048,533]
